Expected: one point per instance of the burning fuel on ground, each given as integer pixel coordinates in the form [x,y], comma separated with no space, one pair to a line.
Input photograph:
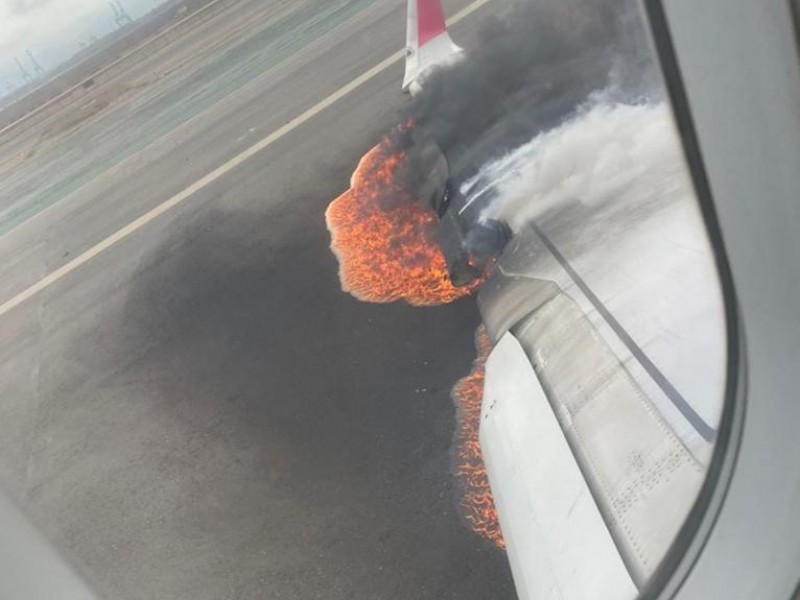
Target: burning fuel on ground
[385,242]
[476,503]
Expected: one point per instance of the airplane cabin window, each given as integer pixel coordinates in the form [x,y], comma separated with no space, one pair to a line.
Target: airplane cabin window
[292,310]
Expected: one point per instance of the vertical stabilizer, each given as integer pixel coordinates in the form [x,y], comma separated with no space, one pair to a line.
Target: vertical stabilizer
[428,45]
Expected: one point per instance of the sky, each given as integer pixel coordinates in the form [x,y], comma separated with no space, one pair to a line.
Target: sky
[52,30]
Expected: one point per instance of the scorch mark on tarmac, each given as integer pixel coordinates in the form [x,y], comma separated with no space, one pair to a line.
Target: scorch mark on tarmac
[201,183]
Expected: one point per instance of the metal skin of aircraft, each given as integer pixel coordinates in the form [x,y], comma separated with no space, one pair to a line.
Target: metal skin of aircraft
[613,422]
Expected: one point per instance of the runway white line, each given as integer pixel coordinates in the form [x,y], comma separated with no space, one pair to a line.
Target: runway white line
[198,185]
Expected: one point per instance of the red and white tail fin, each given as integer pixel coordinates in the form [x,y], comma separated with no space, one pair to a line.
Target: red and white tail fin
[428,44]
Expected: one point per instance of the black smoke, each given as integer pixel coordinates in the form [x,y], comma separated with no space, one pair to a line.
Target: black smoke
[530,70]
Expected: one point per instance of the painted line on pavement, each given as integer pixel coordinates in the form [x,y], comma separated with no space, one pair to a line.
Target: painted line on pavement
[198,185]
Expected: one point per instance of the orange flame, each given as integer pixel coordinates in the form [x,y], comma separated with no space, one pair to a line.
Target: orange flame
[385,240]
[477,504]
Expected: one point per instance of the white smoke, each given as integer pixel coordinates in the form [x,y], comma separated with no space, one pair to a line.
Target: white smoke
[605,153]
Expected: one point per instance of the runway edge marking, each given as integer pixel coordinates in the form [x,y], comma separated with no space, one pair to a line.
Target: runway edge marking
[201,183]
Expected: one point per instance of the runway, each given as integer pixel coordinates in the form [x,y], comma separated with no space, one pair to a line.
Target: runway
[198,411]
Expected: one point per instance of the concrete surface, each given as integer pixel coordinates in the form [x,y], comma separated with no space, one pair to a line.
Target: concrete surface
[200,412]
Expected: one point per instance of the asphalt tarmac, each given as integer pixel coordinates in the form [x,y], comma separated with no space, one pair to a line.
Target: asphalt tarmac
[198,411]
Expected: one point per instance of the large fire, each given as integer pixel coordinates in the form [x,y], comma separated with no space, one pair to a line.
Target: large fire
[477,504]
[385,239]
[385,242]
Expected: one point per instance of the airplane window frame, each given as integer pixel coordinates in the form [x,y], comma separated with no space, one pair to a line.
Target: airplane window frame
[794,9]
[688,545]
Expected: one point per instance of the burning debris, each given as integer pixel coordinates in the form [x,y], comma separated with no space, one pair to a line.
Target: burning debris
[529,72]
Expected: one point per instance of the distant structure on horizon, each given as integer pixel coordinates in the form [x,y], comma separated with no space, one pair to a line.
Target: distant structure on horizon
[121,16]
[26,76]
[37,68]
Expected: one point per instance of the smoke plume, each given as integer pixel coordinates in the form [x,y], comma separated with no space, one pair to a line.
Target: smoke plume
[529,71]
[606,153]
